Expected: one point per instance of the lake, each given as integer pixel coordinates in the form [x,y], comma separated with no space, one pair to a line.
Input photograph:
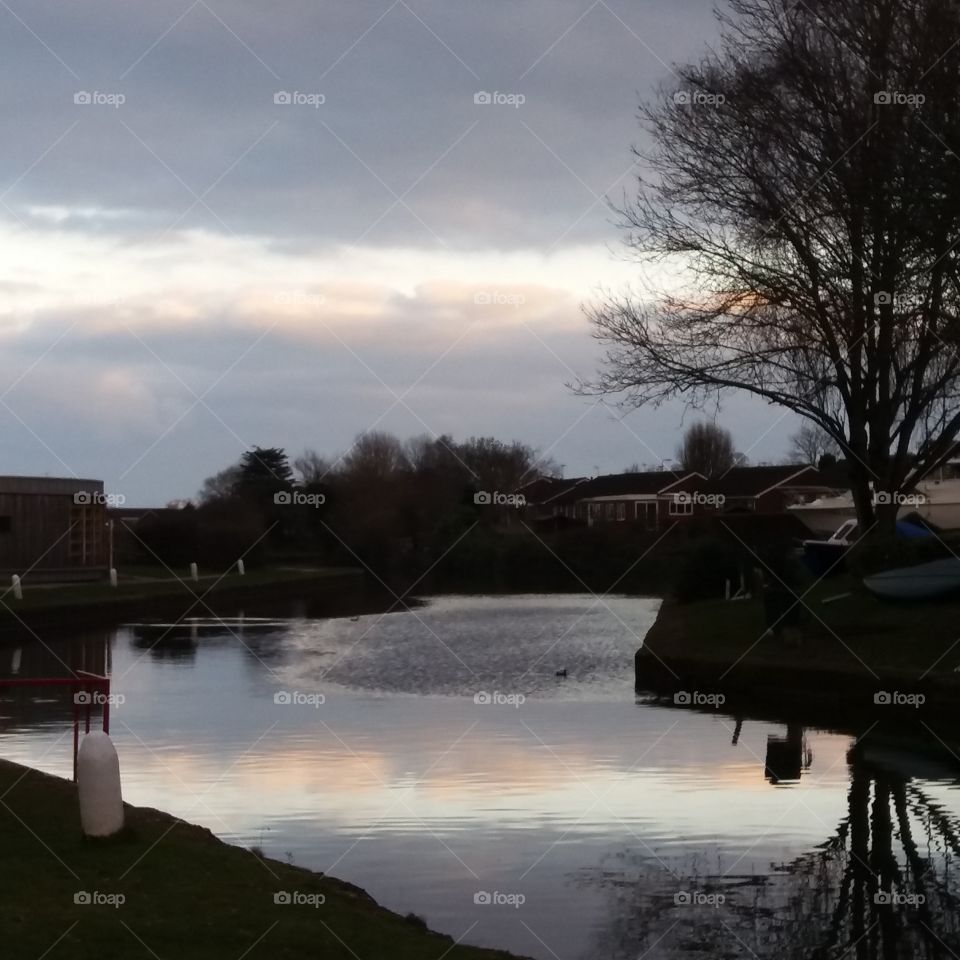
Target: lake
[435,757]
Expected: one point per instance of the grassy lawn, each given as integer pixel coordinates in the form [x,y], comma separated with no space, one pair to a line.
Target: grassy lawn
[187,895]
[136,583]
[906,640]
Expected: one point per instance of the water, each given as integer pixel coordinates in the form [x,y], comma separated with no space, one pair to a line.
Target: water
[434,757]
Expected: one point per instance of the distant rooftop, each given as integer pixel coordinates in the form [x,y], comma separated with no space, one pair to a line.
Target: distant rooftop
[65,486]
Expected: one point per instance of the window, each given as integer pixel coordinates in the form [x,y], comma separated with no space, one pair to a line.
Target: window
[621,511]
[610,510]
[647,514]
[678,509]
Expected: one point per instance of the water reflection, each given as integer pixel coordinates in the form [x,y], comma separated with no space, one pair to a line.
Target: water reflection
[881,884]
[787,756]
[25,708]
[621,823]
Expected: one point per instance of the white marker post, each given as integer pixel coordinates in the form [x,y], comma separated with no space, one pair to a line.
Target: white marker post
[17,588]
[98,786]
[193,572]
[113,576]
[240,567]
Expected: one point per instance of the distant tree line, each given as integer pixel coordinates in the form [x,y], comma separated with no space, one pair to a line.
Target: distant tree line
[385,504]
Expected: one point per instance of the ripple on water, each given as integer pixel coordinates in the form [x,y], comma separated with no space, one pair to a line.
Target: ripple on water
[454,646]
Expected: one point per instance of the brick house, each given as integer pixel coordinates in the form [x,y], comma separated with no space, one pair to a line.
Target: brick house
[657,499]
[646,499]
[765,489]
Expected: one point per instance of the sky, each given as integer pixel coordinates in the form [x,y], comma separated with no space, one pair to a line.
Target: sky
[228,223]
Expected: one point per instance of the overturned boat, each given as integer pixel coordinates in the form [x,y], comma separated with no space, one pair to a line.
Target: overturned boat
[922,582]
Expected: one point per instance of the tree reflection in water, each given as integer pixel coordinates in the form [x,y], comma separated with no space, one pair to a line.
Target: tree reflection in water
[884,886]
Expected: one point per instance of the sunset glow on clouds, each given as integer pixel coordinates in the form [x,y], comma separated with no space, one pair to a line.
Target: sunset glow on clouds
[191,267]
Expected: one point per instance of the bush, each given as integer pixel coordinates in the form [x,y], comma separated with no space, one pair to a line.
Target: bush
[704,569]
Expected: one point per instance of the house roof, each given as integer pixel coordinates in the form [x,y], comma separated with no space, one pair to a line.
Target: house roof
[754,481]
[65,486]
[620,485]
[542,488]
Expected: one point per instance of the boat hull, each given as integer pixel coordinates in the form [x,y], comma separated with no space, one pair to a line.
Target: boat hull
[922,582]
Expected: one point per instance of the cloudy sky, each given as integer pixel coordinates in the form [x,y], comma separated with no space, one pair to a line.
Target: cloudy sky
[230,222]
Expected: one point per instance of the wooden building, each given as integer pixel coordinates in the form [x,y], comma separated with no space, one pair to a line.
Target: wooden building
[53,528]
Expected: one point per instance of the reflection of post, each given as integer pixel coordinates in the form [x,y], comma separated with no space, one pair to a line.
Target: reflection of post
[736,732]
[785,756]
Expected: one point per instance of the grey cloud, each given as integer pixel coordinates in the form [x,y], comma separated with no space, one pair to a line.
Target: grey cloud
[398,100]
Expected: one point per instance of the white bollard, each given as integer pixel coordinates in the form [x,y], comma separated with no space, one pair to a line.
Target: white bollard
[193,572]
[241,569]
[113,576]
[17,589]
[98,786]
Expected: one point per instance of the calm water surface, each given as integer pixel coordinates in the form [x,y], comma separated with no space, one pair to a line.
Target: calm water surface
[435,758]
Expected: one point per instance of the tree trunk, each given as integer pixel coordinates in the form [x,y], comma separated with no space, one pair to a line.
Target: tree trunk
[862,500]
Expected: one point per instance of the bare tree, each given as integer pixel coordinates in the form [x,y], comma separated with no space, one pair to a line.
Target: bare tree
[375,455]
[810,443]
[313,468]
[707,449]
[806,173]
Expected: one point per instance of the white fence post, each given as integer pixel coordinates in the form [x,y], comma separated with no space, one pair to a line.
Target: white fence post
[17,588]
[193,572]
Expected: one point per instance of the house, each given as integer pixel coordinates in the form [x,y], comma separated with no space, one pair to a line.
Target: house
[650,499]
[657,499]
[52,528]
[765,489]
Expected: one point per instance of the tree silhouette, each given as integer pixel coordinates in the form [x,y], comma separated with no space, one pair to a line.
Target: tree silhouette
[806,174]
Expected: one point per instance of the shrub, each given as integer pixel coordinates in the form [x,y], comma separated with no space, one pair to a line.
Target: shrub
[705,567]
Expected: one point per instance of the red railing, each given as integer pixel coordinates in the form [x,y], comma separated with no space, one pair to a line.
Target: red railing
[90,690]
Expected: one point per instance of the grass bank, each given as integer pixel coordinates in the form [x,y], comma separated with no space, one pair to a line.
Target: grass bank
[843,650]
[156,589]
[186,894]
